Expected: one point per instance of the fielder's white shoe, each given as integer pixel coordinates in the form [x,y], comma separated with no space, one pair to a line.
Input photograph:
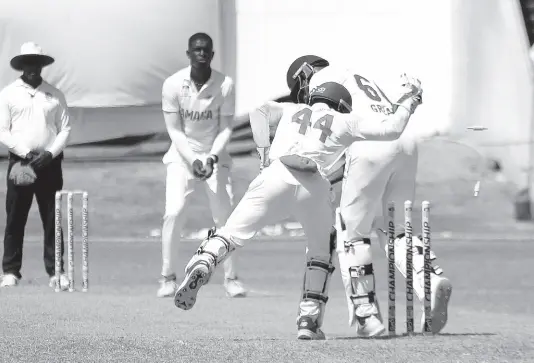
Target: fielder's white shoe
[234,288]
[441,294]
[308,329]
[63,282]
[167,287]
[9,280]
[186,294]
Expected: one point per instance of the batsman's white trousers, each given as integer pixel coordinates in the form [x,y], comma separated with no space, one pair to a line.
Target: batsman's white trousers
[180,186]
[376,173]
[278,192]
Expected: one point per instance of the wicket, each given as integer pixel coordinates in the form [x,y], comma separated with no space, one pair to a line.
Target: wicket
[408,233]
[70,238]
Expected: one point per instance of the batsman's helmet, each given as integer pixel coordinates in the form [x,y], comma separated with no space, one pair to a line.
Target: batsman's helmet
[333,94]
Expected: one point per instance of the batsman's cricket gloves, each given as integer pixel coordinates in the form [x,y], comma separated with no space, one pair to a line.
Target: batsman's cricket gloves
[22,175]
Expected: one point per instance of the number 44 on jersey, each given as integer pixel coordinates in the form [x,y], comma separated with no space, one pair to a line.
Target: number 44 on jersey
[303,117]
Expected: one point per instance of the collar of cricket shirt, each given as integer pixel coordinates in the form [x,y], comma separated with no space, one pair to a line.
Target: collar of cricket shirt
[204,86]
[33,91]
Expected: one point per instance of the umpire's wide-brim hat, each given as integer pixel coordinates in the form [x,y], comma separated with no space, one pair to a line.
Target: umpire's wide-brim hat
[30,52]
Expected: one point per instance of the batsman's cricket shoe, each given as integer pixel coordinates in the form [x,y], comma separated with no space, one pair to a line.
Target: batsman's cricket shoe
[63,282]
[441,294]
[234,288]
[308,329]
[370,327]
[9,280]
[197,275]
[369,320]
[167,286]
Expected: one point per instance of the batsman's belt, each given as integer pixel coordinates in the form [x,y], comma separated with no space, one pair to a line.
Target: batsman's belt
[299,163]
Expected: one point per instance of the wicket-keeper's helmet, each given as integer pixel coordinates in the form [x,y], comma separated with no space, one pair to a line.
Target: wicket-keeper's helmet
[299,74]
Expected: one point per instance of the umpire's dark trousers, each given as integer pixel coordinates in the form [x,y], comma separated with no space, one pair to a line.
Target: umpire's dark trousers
[18,203]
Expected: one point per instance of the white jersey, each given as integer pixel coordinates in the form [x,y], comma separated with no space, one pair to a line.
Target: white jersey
[288,132]
[200,111]
[329,133]
[368,101]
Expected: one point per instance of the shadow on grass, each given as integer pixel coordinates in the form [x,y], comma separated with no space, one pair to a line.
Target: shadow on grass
[467,334]
[416,335]
[384,337]
[258,339]
[263,294]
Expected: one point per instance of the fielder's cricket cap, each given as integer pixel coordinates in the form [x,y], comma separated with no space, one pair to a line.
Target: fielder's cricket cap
[30,52]
[312,60]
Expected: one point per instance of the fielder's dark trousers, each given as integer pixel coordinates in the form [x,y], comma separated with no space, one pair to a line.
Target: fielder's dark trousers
[18,203]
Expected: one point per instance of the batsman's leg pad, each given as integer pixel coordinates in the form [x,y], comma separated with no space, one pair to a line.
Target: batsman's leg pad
[355,263]
[211,252]
[315,288]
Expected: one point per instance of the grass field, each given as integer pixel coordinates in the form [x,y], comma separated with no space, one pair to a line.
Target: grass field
[121,320]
